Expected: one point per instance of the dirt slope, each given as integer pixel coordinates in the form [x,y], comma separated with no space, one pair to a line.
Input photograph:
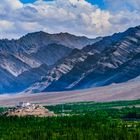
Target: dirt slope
[125,91]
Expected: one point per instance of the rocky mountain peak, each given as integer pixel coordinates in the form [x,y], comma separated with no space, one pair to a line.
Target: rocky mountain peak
[99,64]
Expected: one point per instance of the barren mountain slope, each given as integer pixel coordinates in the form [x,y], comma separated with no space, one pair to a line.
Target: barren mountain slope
[125,91]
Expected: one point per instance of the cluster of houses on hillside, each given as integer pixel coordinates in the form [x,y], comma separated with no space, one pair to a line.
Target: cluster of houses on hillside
[28,109]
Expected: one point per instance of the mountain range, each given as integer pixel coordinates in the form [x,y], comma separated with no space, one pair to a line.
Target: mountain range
[42,62]
[24,61]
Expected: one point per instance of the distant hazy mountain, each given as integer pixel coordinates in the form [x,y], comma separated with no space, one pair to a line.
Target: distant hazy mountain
[41,38]
[26,60]
[114,59]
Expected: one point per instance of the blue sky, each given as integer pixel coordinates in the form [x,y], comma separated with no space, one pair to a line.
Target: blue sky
[100,3]
[27,1]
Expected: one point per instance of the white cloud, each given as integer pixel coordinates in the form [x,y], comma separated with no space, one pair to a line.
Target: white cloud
[74,16]
[5,25]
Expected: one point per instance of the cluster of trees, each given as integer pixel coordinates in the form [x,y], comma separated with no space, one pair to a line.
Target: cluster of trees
[65,128]
[97,125]
[113,108]
[2,109]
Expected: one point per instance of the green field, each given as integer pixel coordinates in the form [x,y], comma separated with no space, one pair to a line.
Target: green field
[86,107]
[77,121]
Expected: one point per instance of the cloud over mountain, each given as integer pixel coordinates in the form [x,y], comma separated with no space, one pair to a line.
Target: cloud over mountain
[74,16]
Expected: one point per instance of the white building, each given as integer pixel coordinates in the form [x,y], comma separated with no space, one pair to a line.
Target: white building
[23,104]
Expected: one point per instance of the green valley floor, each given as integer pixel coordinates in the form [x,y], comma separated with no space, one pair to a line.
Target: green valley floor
[77,121]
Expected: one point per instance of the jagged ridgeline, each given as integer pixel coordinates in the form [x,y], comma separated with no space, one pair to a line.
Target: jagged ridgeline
[26,60]
[43,62]
[114,59]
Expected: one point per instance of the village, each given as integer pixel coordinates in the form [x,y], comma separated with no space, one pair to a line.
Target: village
[29,109]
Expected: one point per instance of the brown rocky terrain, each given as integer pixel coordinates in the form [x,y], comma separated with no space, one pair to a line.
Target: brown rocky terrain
[29,110]
[115,92]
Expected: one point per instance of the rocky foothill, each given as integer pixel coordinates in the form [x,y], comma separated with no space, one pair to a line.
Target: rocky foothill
[27,109]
